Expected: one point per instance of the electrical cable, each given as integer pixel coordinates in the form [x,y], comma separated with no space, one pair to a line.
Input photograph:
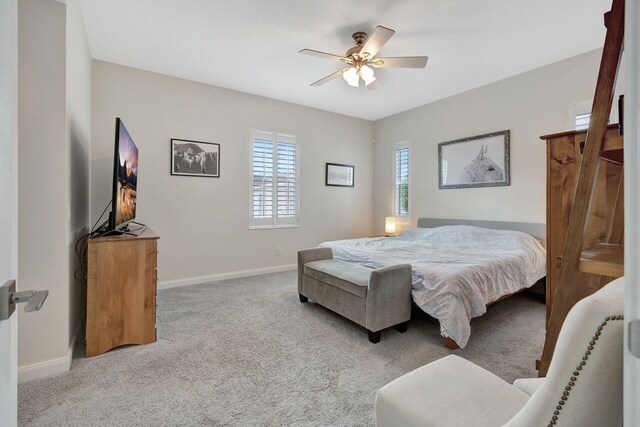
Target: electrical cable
[101,215]
[81,248]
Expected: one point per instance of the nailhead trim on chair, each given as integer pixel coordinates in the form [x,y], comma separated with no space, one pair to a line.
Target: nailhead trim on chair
[576,373]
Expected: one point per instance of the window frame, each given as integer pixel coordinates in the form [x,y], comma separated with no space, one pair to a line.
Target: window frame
[578,109]
[274,221]
[400,146]
[584,107]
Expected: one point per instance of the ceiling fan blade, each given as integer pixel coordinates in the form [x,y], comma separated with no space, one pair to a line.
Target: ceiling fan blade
[374,85]
[323,55]
[329,77]
[376,40]
[401,62]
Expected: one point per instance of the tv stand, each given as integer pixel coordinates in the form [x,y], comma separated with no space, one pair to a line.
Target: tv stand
[121,291]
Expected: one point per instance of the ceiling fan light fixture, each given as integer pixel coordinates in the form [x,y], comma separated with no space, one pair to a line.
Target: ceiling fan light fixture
[351,77]
[367,75]
[360,61]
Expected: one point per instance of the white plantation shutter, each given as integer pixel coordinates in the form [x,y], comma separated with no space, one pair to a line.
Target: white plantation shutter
[287,178]
[581,121]
[579,115]
[401,187]
[274,180]
[262,179]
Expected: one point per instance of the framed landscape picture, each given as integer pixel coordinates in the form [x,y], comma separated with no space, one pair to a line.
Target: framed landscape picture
[338,175]
[195,158]
[478,161]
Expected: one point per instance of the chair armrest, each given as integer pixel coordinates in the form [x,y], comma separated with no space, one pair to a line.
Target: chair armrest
[389,297]
[529,385]
[309,255]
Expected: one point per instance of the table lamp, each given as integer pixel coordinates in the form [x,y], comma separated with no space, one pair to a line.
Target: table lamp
[390,225]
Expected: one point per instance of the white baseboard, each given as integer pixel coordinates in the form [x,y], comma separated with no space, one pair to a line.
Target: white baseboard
[50,367]
[43,369]
[166,284]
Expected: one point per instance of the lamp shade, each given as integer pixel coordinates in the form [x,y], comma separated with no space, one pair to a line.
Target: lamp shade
[367,75]
[351,76]
[390,225]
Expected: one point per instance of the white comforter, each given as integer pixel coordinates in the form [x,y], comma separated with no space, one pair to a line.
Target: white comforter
[457,270]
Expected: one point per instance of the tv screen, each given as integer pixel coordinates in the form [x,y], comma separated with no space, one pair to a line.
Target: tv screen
[125,178]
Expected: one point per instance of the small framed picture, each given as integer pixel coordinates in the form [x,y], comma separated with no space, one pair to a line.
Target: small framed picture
[338,175]
[195,158]
[477,161]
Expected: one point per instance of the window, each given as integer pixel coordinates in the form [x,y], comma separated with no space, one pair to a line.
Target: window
[579,115]
[581,121]
[274,180]
[401,187]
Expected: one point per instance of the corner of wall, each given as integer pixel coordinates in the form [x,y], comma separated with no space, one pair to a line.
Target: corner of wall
[79,95]
[53,34]
[42,257]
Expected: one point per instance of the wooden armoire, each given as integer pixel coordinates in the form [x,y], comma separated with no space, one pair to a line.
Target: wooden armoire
[585,202]
[605,221]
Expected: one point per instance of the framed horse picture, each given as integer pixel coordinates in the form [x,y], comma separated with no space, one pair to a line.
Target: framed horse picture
[477,161]
[195,158]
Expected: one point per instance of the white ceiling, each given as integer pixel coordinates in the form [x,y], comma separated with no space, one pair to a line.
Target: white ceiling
[252,45]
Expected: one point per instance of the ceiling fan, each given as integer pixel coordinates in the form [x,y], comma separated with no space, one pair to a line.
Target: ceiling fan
[362,57]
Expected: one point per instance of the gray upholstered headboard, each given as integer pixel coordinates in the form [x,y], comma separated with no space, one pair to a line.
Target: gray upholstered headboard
[539,231]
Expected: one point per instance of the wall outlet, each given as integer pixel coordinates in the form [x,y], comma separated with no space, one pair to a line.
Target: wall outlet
[278,251]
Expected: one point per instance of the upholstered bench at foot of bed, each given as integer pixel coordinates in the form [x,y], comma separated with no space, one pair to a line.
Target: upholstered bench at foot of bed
[375,299]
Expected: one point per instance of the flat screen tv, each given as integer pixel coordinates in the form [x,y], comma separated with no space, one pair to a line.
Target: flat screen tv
[125,179]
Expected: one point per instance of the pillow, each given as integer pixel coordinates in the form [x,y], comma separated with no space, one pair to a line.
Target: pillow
[417,233]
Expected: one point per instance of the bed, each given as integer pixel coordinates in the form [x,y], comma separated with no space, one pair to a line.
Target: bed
[459,267]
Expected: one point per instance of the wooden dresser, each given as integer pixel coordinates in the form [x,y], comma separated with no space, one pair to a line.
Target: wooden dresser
[121,291]
[605,221]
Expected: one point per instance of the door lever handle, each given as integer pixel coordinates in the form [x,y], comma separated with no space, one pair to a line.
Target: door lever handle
[9,298]
[634,338]
[34,299]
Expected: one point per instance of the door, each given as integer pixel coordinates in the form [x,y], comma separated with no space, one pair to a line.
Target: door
[8,203]
[632,215]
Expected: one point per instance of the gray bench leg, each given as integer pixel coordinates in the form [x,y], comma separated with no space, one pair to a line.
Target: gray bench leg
[388,297]
[303,298]
[401,327]
[374,337]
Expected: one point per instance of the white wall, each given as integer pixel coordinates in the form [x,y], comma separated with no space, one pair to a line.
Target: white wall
[54,158]
[530,105]
[78,152]
[204,222]
[42,233]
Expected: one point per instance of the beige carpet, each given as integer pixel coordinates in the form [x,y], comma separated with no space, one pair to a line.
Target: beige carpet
[246,352]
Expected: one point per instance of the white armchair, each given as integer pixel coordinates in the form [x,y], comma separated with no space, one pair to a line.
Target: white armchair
[583,387]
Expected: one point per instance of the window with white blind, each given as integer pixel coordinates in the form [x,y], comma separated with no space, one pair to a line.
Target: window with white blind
[401,176]
[579,115]
[274,180]
[581,121]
